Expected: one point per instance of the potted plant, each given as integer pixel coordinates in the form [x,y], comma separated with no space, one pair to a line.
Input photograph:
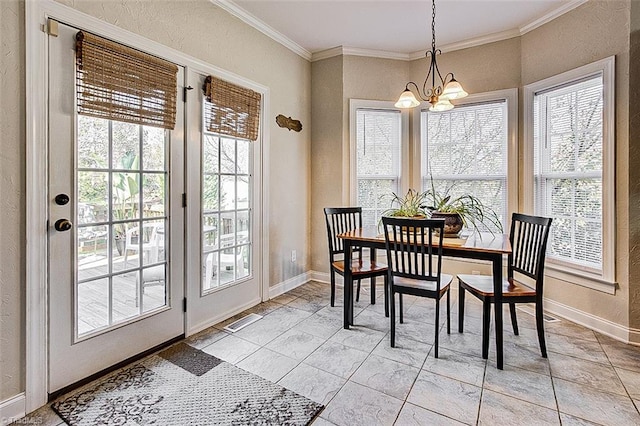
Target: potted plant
[457,211]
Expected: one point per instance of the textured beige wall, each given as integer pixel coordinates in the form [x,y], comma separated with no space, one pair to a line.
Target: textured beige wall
[199,29]
[326,151]
[634,167]
[593,31]
[12,199]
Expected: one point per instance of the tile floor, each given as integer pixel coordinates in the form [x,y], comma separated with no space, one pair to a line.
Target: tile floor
[300,343]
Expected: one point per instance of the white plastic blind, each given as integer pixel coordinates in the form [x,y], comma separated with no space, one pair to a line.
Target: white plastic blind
[464,151]
[568,126]
[378,159]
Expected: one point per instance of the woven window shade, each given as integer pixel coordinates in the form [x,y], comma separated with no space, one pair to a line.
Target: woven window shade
[231,110]
[123,84]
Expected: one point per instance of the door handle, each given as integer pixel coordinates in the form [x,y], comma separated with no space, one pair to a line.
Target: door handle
[62,199]
[62,225]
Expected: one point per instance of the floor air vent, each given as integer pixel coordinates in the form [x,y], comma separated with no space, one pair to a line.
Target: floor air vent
[529,310]
[242,322]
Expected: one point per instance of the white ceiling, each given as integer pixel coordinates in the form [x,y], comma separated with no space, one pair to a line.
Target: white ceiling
[398,26]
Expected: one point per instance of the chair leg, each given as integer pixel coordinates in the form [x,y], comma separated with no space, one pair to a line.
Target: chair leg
[435,344]
[373,290]
[401,309]
[358,293]
[333,288]
[540,328]
[514,319]
[392,308]
[486,320]
[386,296]
[461,309]
[448,311]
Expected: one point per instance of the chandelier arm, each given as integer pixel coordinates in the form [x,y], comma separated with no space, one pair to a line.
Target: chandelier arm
[440,87]
[446,79]
[417,90]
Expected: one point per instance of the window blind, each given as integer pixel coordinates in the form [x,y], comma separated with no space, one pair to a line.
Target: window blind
[378,160]
[465,152]
[119,83]
[231,110]
[568,152]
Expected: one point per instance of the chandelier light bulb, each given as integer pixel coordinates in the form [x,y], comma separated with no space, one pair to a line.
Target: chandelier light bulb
[407,100]
[453,90]
[441,105]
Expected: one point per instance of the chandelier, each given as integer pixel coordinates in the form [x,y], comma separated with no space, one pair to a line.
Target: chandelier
[438,96]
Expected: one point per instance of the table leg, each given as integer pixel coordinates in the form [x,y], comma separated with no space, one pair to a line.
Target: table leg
[348,286]
[497,306]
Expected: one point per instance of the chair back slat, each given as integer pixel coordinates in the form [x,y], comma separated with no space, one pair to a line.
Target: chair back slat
[528,237]
[413,250]
[340,220]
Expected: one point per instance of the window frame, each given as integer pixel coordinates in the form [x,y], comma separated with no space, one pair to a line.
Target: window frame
[576,274]
[510,96]
[404,178]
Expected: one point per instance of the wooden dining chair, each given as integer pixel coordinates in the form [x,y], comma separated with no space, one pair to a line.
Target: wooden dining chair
[528,237]
[414,256]
[340,220]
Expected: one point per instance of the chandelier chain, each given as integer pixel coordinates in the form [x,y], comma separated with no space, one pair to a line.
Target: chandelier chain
[433,25]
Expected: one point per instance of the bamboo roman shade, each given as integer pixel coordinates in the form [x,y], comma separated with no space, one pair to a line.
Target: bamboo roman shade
[231,110]
[119,83]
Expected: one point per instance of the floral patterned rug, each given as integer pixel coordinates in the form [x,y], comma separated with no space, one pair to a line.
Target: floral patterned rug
[184,386]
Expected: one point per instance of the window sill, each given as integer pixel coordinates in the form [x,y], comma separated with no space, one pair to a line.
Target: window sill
[581,278]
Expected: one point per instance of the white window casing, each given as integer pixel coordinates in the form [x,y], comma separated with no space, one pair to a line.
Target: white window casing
[569,170]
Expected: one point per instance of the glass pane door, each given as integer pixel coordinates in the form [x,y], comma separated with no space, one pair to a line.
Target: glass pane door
[121,223]
[226,203]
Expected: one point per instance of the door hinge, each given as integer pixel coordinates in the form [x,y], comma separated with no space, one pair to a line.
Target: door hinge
[184,93]
[184,199]
[51,27]
[184,305]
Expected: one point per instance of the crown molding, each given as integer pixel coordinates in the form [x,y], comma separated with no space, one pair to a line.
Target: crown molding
[566,7]
[473,42]
[356,51]
[259,25]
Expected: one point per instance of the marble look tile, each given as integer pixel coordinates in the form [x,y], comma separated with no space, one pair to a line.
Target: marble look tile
[319,421]
[498,409]
[268,364]
[372,320]
[451,398]
[205,337]
[295,344]
[336,359]
[412,415]
[406,351]
[310,382]
[600,376]
[620,354]
[362,338]
[415,330]
[568,420]
[585,349]
[467,343]
[308,304]
[590,404]
[231,349]
[322,325]
[264,308]
[522,384]
[285,298]
[568,328]
[458,366]
[631,381]
[272,325]
[387,376]
[524,357]
[359,405]
[43,416]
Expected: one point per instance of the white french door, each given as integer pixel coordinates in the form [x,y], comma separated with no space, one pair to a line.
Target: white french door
[116,231]
[223,188]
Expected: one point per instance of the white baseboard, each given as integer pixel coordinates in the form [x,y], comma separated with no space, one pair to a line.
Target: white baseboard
[223,316]
[595,323]
[290,284]
[12,409]
[325,277]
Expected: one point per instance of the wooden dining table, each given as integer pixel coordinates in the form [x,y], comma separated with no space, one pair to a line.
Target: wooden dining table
[485,246]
